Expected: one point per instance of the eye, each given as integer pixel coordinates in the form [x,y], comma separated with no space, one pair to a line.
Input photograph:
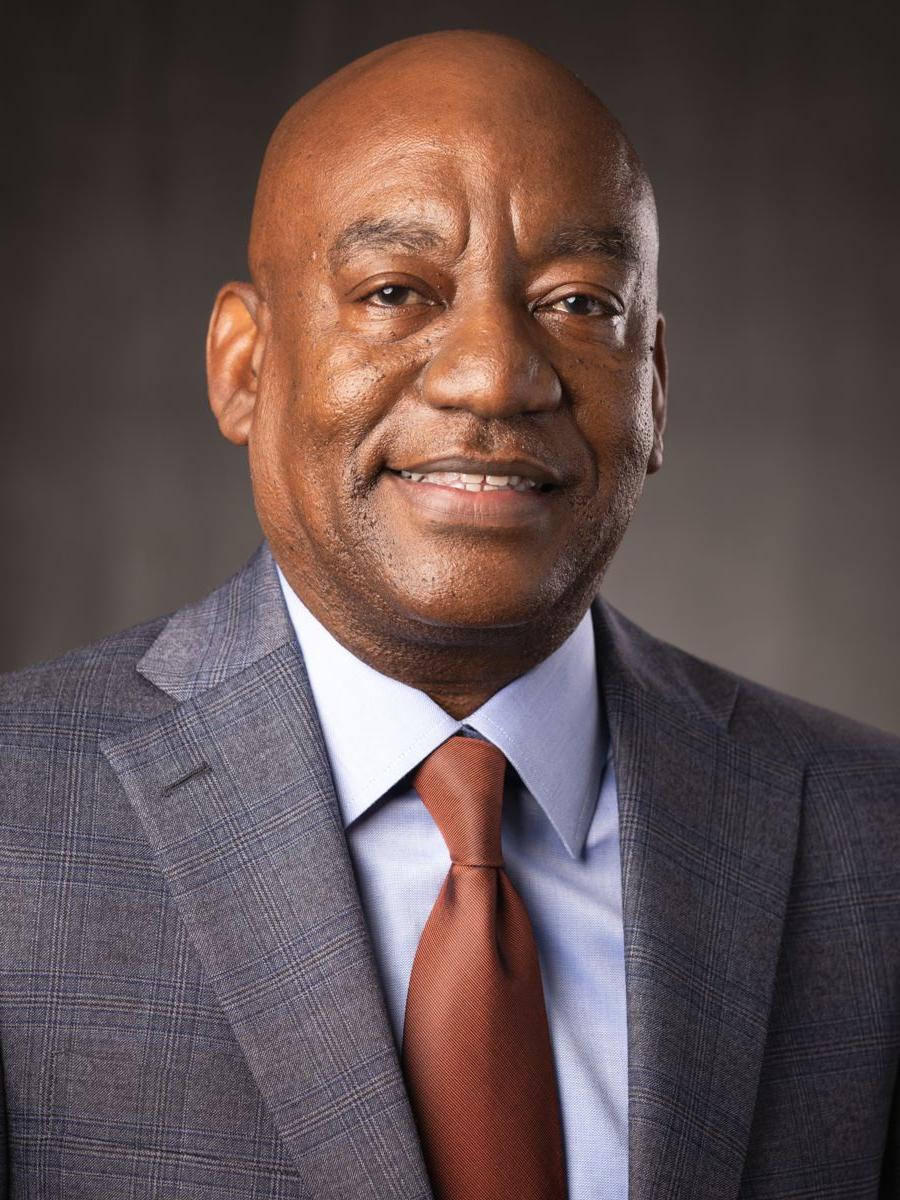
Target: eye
[580,304]
[395,295]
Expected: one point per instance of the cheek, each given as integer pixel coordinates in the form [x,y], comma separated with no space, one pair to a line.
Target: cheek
[337,387]
[323,404]
[617,425]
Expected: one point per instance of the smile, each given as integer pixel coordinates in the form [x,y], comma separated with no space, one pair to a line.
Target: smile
[492,498]
[466,482]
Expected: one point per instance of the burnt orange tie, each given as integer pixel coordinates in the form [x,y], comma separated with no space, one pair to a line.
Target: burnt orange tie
[476,1047]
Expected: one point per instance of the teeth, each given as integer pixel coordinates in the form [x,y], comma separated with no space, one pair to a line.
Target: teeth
[471,483]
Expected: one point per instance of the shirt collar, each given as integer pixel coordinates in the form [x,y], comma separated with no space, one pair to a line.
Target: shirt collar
[547,722]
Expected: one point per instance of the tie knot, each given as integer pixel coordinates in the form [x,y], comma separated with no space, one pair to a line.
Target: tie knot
[461,785]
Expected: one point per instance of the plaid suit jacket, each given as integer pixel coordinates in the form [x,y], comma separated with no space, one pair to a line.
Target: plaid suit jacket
[189,1007]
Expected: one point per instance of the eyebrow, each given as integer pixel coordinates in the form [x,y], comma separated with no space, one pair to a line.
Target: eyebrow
[393,233]
[382,233]
[609,241]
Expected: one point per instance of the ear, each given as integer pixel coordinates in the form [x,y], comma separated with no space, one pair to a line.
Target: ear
[235,345]
[658,398]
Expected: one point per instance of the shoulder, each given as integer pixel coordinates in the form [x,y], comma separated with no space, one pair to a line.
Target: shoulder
[112,684]
[805,732]
[845,774]
[766,721]
[90,690]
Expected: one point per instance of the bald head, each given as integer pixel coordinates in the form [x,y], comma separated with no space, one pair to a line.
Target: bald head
[486,90]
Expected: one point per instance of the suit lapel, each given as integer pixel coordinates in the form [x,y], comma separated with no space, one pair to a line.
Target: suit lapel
[233,790]
[708,833]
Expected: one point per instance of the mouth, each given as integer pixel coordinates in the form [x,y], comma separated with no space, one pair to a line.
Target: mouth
[468,493]
[473,475]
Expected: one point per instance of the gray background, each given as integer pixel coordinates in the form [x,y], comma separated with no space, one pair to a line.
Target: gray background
[769,541]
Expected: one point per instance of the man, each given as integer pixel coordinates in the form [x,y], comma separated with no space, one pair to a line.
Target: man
[260,936]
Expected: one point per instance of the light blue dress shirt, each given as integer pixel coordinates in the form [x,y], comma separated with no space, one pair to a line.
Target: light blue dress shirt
[560,847]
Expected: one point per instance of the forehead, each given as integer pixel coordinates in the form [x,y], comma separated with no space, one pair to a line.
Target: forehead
[473,176]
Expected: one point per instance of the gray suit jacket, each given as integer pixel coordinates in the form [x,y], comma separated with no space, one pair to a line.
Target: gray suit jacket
[189,1006]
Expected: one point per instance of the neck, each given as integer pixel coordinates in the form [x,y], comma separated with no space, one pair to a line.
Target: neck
[458,668]
[459,683]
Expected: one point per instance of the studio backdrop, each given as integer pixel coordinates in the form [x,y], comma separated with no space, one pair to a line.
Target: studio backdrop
[768,543]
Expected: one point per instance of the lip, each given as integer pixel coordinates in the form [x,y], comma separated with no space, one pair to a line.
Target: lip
[440,506]
[530,468]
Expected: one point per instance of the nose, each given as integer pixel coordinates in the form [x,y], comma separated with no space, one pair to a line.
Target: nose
[490,365]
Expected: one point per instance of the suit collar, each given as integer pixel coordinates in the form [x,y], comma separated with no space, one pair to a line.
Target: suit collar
[206,643]
[632,660]
[233,790]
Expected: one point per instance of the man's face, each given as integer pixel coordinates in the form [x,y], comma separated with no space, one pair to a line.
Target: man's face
[455,407]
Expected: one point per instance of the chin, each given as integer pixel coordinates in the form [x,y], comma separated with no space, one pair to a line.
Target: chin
[451,614]
[483,591]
